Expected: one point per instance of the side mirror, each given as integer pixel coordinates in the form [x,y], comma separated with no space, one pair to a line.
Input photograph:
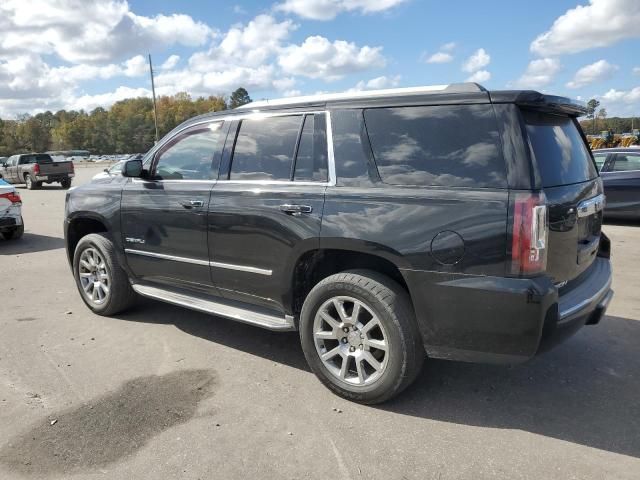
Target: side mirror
[132,168]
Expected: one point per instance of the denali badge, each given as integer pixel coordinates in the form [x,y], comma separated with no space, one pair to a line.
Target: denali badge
[134,240]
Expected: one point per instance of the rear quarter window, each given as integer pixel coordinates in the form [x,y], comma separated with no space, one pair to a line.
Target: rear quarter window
[561,154]
[453,146]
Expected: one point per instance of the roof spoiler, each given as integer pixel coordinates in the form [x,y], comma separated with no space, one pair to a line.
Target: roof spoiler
[538,101]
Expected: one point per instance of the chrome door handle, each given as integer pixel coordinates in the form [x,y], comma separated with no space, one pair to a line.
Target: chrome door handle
[296,209]
[192,204]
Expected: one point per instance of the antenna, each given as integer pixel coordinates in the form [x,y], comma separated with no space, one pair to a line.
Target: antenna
[153,92]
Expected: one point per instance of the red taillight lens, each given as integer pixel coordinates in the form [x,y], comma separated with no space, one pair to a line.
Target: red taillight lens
[530,234]
[13,197]
[36,169]
[73,168]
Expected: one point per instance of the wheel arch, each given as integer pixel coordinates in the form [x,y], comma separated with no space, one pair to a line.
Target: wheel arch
[79,226]
[312,266]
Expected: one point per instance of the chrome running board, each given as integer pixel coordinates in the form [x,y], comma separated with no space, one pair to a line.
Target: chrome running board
[218,307]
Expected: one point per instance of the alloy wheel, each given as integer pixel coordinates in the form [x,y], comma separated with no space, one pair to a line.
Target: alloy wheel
[351,341]
[94,276]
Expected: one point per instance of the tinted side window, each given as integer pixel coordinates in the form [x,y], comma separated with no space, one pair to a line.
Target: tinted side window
[455,146]
[625,162]
[190,155]
[264,148]
[311,159]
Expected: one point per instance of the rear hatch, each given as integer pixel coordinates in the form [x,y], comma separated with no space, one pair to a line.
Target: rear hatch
[573,191]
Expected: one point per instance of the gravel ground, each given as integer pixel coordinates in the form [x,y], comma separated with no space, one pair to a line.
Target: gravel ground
[163,392]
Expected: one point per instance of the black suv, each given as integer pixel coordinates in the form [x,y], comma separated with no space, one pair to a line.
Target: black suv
[449,222]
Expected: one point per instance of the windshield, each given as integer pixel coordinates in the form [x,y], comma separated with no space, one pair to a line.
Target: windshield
[562,156]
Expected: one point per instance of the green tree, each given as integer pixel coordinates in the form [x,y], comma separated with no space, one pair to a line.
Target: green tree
[592,105]
[239,97]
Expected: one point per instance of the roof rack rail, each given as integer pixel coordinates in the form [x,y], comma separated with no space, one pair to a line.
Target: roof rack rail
[468,87]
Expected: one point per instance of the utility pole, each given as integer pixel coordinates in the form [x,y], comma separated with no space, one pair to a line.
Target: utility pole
[153,92]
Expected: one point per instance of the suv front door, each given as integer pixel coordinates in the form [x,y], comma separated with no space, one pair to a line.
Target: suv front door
[266,209]
[622,184]
[164,215]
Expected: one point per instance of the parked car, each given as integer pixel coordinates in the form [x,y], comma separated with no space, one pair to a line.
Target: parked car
[34,169]
[11,224]
[620,172]
[114,170]
[451,222]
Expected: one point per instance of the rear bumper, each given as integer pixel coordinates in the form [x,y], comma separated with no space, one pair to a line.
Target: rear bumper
[54,178]
[503,320]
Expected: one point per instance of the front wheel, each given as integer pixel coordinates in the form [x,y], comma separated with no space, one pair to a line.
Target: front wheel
[360,337]
[101,281]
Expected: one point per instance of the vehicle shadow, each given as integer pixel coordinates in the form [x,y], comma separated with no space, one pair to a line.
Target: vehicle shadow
[30,242]
[586,391]
[42,187]
[623,222]
[281,347]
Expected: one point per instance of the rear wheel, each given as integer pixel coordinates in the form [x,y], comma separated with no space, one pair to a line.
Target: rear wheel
[360,337]
[102,283]
[66,184]
[31,185]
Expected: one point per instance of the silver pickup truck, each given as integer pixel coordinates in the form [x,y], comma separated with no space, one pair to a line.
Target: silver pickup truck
[34,169]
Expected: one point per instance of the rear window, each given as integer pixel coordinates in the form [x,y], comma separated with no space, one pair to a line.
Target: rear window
[561,154]
[455,146]
[37,158]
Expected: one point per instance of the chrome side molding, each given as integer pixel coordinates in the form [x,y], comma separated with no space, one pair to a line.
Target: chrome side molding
[217,307]
[195,261]
[591,206]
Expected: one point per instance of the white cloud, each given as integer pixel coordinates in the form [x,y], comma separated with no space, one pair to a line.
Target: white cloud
[96,31]
[621,102]
[170,63]
[447,47]
[329,9]
[595,72]
[377,83]
[539,73]
[479,76]
[476,61]
[439,57]
[317,57]
[636,70]
[599,24]
[89,102]
[136,66]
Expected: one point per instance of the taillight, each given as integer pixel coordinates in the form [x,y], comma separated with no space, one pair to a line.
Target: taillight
[36,169]
[13,197]
[73,168]
[530,234]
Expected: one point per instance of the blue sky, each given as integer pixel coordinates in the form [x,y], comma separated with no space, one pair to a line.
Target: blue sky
[84,54]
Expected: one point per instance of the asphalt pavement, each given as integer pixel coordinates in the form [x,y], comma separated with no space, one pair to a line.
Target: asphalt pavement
[166,393]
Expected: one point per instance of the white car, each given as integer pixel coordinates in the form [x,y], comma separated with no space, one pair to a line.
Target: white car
[11,225]
[113,171]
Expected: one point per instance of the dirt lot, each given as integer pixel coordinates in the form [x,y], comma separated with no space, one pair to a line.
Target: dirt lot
[164,393]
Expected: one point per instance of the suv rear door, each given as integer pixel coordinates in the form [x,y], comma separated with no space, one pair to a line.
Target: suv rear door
[573,190]
[267,206]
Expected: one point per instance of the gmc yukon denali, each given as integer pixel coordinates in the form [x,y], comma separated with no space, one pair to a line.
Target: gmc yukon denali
[387,226]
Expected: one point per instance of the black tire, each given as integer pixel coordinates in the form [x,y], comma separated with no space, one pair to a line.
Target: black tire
[121,296]
[392,306]
[14,234]
[31,185]
[66,184]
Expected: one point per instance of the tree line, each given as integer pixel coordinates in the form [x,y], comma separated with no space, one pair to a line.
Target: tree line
[127,127]
[598,120]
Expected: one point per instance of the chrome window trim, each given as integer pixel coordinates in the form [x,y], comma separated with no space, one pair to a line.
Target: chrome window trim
[195,261]
[331,182]
[591,206]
